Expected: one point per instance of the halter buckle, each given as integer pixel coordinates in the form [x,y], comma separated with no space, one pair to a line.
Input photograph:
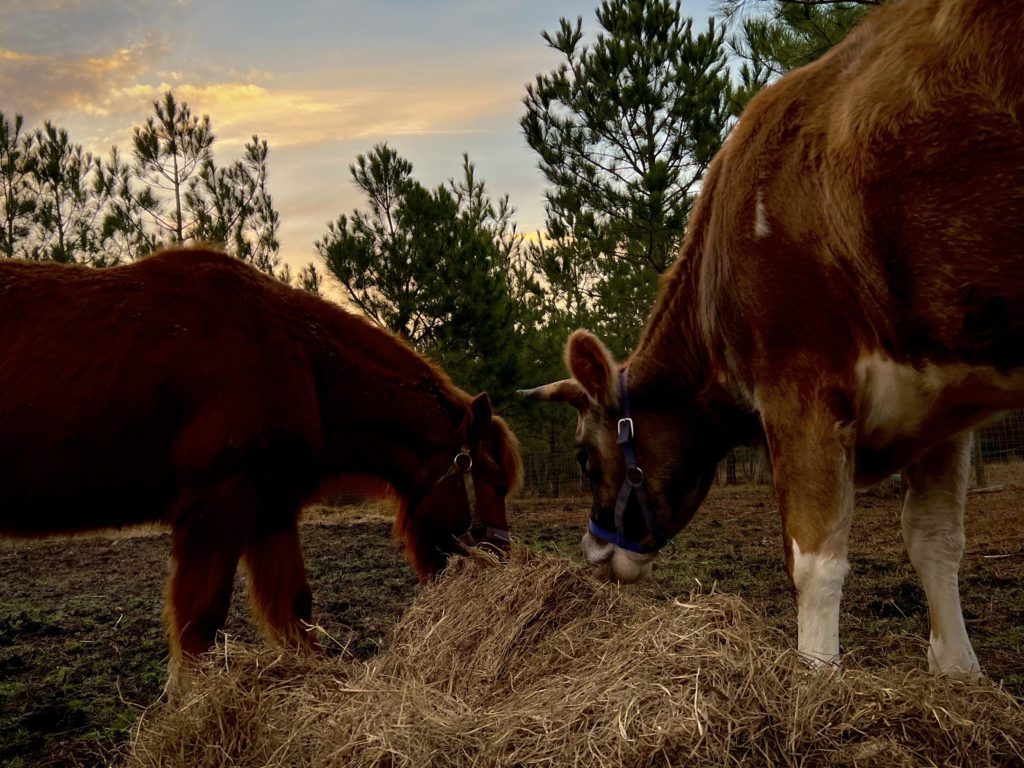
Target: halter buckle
[626,431]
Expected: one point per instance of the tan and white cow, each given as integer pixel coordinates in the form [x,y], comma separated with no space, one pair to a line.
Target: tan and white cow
[851,289]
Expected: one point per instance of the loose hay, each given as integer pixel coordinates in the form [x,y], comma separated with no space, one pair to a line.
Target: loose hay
[536,664]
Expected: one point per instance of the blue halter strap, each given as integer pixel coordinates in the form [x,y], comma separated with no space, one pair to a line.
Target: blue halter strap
[632,485]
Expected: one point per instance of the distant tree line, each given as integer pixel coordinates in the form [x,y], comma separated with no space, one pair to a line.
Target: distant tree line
[623,128]
[60,202]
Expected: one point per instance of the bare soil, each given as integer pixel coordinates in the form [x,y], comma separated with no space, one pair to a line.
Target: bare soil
[82,648]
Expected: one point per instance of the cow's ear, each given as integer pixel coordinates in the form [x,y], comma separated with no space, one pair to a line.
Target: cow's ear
[593,366]
[564,391]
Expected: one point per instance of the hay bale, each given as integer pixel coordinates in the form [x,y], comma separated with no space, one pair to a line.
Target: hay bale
[536,664]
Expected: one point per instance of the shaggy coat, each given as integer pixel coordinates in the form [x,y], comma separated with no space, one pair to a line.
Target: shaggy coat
[190,389]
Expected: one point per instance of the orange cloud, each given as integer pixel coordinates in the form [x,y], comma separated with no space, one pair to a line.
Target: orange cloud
[289,116]
[101,98]
[17,57]
[117,90]
[47,86]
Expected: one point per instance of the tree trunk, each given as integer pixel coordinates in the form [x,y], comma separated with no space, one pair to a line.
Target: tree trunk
[552,463]
[763,470]
[979,461]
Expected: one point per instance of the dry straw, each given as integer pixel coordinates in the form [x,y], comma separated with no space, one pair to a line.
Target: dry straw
[534,663]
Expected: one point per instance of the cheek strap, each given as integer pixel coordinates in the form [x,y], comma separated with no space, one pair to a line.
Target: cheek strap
[633,485]
[478,532]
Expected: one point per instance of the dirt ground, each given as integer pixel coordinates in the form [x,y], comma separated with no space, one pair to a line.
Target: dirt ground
[82,649]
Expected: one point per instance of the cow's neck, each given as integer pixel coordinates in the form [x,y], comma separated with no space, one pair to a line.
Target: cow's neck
[670,353]
[674,361]
[400,434]
[387,412]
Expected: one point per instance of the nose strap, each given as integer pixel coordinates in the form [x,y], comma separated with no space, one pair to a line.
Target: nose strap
[478,532]
[487,535]
[467,481]
[632,485]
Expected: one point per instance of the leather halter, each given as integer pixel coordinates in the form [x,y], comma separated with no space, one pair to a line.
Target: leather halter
[478,531]
[633,485]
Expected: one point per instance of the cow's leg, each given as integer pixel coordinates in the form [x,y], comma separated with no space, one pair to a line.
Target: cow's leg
[207,541]
[278,590]
[933,530]
[812,460]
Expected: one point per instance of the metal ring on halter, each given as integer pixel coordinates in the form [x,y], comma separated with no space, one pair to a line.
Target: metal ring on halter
[463,461]
[632,486]
[634,476]
[497,538]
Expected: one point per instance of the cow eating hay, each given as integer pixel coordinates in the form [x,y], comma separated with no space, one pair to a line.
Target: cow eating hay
[189,389]
[536,663]
[849,292]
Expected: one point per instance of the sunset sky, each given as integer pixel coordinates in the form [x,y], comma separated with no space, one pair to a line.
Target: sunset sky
[320,80]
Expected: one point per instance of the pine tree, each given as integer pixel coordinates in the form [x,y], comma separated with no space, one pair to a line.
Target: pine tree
[786,35]
[69,204]
[438,266]
[17,197]
[311,280]
[370,252]
[125,229]
[624,128]
[233,206]
[169,149]
[175,192]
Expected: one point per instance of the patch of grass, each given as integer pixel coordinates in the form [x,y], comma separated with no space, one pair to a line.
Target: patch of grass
[21,618]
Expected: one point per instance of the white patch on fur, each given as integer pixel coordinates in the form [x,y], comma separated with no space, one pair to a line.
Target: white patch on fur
[616,563]
[949,648]
[894,400]
[819,581]
[628,566]
[761,228]
[595,551]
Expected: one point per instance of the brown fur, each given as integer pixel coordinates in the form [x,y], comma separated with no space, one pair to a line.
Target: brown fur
[864,220]
[190,389]
[891,174]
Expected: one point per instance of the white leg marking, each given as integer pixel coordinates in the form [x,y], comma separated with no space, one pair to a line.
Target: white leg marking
[761,228]
[933,530]
[818,579]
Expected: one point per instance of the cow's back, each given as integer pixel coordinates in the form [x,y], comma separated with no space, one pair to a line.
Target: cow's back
[874,200]
[122,386]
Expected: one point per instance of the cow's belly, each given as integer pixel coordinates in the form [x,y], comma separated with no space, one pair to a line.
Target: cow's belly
[902,410]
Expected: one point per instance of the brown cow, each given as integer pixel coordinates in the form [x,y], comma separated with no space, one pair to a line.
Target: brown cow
[851,288]
[190,389]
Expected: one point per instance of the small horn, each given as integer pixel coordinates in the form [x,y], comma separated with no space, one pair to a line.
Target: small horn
[565,391]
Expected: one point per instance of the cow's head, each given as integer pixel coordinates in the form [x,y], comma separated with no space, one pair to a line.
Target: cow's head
[459,495]
[649,453]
